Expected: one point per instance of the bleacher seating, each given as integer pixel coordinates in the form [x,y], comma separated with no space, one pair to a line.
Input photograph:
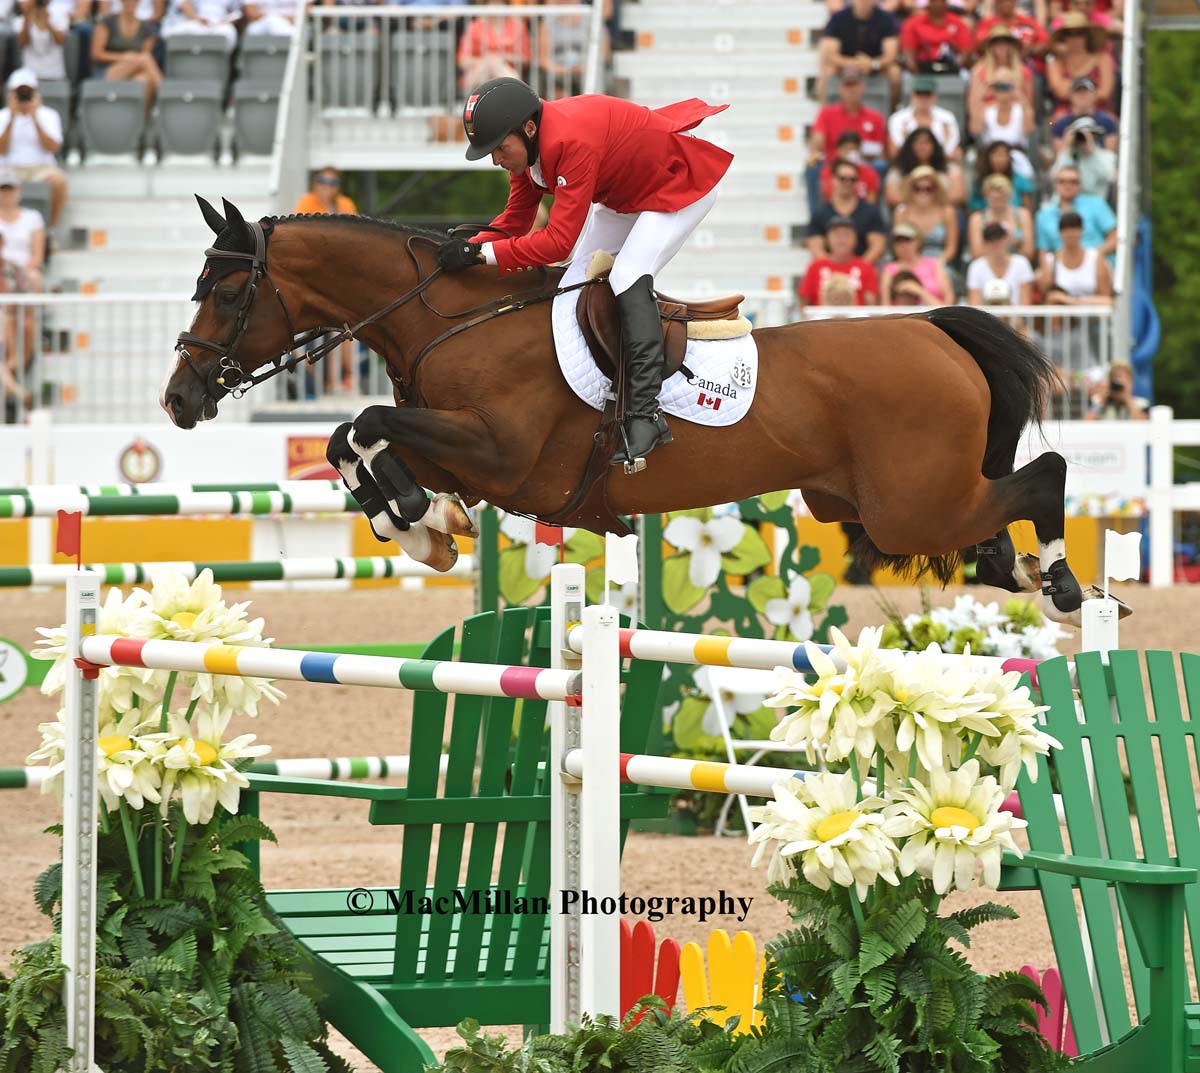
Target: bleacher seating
[263,58]
[112,116]
[189,115]
[197,57]
[255,106]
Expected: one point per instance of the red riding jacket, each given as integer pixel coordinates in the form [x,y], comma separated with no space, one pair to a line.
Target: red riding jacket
[611,151]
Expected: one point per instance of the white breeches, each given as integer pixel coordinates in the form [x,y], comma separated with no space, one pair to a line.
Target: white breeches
[641,242]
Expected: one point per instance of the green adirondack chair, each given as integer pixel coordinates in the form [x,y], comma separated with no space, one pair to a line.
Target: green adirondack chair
[386,974]
[1132,869]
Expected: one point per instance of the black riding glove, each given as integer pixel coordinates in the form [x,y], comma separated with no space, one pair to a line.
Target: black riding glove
[454,255]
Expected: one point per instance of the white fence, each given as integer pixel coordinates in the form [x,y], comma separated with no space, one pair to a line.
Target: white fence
[1078,339]
[423,58]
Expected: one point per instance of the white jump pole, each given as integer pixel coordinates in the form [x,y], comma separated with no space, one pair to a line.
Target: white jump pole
[80,804]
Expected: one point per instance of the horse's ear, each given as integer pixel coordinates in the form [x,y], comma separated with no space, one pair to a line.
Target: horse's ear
[232,217]
[211,216]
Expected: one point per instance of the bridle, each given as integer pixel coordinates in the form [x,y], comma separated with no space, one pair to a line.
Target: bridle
[229,377]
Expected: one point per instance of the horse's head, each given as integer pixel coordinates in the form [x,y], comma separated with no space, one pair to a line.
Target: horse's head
[235,330]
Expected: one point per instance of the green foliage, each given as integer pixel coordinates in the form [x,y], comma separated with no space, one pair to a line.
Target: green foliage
[1172,60]
[199,980]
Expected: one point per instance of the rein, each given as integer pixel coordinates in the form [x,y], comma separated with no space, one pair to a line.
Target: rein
[232,378]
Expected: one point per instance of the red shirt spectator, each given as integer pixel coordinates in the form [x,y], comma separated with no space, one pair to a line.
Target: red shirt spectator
[866,189]
[859,273]
[935,39]
[1025,28]
[848,113]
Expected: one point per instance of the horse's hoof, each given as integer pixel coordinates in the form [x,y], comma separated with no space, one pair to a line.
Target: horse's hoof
[1028,572]
[447,515]
[443,552]
[1075,618]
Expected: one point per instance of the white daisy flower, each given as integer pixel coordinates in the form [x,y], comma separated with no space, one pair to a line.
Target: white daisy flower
[818,825]
[126,765]
[735,703]
[792,611]
[706,542]
[200,766]
[841,712]
[953,828]
[52,752]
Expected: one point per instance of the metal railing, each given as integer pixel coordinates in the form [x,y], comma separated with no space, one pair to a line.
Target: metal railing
[290,150]
[423,59]
[1077,339]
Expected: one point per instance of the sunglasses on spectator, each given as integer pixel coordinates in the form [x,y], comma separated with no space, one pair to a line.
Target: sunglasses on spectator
[325,180]
[1002,87]
[846,177]
[8,186]
[924,188]
[1069,180]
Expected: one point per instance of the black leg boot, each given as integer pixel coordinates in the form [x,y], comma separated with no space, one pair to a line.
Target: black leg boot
[642,341]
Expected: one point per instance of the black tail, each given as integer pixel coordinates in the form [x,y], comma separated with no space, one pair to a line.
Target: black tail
[1021,379]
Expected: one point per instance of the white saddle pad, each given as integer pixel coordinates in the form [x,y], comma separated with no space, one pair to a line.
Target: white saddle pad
[724,372]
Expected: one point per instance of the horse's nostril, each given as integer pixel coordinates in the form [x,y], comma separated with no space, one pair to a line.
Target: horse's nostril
[175,402]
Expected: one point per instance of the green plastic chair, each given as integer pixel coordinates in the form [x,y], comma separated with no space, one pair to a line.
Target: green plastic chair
[386,974]
[1126,895]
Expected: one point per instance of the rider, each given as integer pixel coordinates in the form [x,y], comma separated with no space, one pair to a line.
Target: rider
[651,183]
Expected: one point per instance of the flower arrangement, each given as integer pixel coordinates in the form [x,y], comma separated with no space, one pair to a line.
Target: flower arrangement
[193,974]
[1018,629]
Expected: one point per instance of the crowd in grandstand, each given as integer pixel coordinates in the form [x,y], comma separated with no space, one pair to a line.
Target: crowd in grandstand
[964,153]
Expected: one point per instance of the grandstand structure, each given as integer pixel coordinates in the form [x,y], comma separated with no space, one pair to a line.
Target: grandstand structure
[372,88]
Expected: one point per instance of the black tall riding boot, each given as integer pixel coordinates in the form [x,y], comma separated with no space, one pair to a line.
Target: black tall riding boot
[645,362]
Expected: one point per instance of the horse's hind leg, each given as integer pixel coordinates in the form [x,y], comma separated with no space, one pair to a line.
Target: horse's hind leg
[998,564]
[418,541]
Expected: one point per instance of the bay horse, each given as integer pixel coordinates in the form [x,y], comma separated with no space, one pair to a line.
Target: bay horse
[908,424]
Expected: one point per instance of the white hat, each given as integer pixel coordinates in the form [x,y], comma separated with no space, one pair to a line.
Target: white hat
[23,76]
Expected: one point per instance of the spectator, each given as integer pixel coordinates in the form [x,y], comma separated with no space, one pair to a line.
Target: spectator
[904,289]
[868,224]
[216,17]
[924,111]
[41,34]
[926,207]
[1027,29]
[324,195]
[1079,52]
[999,277]
[270,17]
[562,52]
[1083,103]
[1114,399]
[123,50]
[997,159]
[23,241]
[928,273]
[841,261]
[999,209]
[847,113]
[1083,149]
[147,10]
[1074,275]
[1108,17]
[493,47]
[1007,119]
[936,40]
[861,37]
[30,135]
[1002,61]
[849,149]
[1099,223]
[922,148]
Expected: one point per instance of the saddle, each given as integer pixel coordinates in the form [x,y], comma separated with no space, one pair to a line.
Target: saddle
[600,322]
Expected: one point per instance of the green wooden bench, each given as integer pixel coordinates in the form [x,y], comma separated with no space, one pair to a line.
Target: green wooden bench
[1131,869]
[486,825]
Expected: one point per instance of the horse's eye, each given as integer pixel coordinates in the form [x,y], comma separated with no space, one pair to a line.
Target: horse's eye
[226,296]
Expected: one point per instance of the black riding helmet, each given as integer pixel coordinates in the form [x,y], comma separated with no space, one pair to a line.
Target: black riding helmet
[496,109]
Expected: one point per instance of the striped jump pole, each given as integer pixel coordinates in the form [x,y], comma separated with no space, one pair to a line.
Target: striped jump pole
[316,569]
[334,768]
[679,774]
[317,500]
[166,488]
[438,676]
[751,653]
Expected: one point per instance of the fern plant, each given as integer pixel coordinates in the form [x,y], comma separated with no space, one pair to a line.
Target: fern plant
[201,980]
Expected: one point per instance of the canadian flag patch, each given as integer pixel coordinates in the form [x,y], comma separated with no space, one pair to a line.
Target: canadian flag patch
[713,402]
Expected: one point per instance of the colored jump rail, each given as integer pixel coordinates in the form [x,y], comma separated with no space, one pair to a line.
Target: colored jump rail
[165,488]
[746,652]
[316,569]
[439,676]
[679,774]
[46,504]
[336,768]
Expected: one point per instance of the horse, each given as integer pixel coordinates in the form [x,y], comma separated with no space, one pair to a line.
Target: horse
[907,424]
